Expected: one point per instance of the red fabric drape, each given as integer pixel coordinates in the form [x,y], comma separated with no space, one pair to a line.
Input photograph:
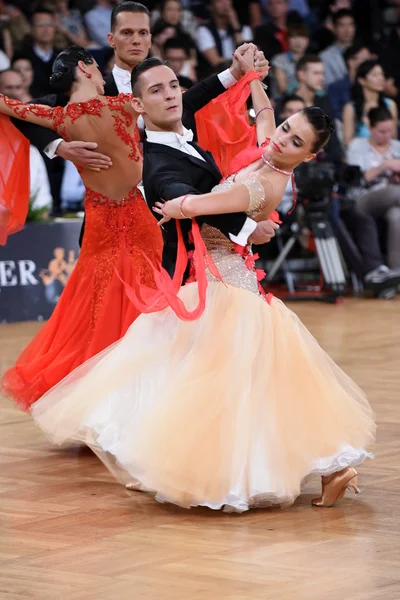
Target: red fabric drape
[223,126]
[14,179]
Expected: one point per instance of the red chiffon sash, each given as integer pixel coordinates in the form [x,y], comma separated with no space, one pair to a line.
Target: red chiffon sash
[223,126]
[14,179]
[149,300]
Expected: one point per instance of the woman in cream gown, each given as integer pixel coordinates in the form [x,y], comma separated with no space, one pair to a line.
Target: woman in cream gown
[233,408]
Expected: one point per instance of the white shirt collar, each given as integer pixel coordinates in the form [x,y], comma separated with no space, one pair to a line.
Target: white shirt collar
[45,55]
[122,79]
[169,138]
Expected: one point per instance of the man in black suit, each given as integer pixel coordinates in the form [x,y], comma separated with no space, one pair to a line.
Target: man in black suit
[174,165]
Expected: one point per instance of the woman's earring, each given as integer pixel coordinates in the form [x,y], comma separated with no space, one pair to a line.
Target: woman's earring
[88,75]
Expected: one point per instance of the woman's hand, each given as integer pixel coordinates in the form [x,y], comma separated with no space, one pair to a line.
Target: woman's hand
[245,55]
[172,209]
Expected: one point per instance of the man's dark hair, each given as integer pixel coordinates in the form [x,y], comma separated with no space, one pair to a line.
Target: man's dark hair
[341,14]
[41,11]
[176,43]
[352,51]
[306,60]
[128,6]
[290,98]
[145,65]
[379,114]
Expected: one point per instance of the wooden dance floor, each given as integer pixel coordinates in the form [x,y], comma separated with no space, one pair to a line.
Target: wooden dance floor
[68,531]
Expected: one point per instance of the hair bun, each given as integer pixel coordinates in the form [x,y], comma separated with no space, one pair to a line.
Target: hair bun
[61,81]
[330,123]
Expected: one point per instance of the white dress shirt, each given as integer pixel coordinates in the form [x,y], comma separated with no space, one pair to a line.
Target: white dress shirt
[122,79]
[181,143]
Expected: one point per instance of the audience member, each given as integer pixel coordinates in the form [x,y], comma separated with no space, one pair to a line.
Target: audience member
[97,21]
[339,92]
[272,38]
[40,50]
[178,57]
[345,30]
[284,65]
[379,159]
[24,67]
[366,93]
[311,78]
[218,39]
[69,25]
[171,12]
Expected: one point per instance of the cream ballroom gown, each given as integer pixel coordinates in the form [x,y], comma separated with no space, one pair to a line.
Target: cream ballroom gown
[232,410]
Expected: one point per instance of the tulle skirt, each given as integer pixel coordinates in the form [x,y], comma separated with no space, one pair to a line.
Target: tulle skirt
[233,410]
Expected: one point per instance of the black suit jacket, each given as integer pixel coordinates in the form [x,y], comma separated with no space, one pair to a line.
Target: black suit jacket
[169,173]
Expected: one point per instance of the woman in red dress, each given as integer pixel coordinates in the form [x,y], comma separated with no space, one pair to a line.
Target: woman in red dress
[93,311]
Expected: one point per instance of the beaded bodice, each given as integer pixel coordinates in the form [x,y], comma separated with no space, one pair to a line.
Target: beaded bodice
[233,267]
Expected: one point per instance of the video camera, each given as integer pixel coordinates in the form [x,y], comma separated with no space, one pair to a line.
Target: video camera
[316,182]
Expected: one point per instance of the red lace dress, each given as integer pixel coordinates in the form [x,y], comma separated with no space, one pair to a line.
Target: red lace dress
[93,311]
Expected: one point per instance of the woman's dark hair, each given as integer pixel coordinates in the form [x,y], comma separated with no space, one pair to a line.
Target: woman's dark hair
[378,115]
[357,92]
[145,65]
[322,124]
[64,68]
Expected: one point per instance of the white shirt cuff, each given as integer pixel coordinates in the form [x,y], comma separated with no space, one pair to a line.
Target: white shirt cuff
[227,79]
[243,237]
[51,149]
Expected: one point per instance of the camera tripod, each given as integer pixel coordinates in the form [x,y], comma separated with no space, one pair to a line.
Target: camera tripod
[328,253]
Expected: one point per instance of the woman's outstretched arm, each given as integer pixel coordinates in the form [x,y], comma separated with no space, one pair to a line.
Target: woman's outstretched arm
[239,197]
[265,119]
[39,114]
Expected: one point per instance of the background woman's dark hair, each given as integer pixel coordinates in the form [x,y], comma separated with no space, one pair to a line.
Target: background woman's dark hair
[378,115]
[322,124]
[357,92]
[64,68]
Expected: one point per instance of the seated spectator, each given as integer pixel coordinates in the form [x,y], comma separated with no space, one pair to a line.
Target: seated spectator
[40,194]
[6,44]
[366,259]
[339,92]
[69,25]
[97,21]
[310,75]
[218,39]
[41,51]
[378,156]
[178,57]
[171,12]
[17,25]
[345,31]
[249,13]
[366,93]
[284,65]
[161,32]
[24,68]
[72,189]
[324,36]
[272,38]
[389,57]
[11,83]
[299,6]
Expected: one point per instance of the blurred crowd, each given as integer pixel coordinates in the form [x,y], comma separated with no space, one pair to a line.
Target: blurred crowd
[342,55]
